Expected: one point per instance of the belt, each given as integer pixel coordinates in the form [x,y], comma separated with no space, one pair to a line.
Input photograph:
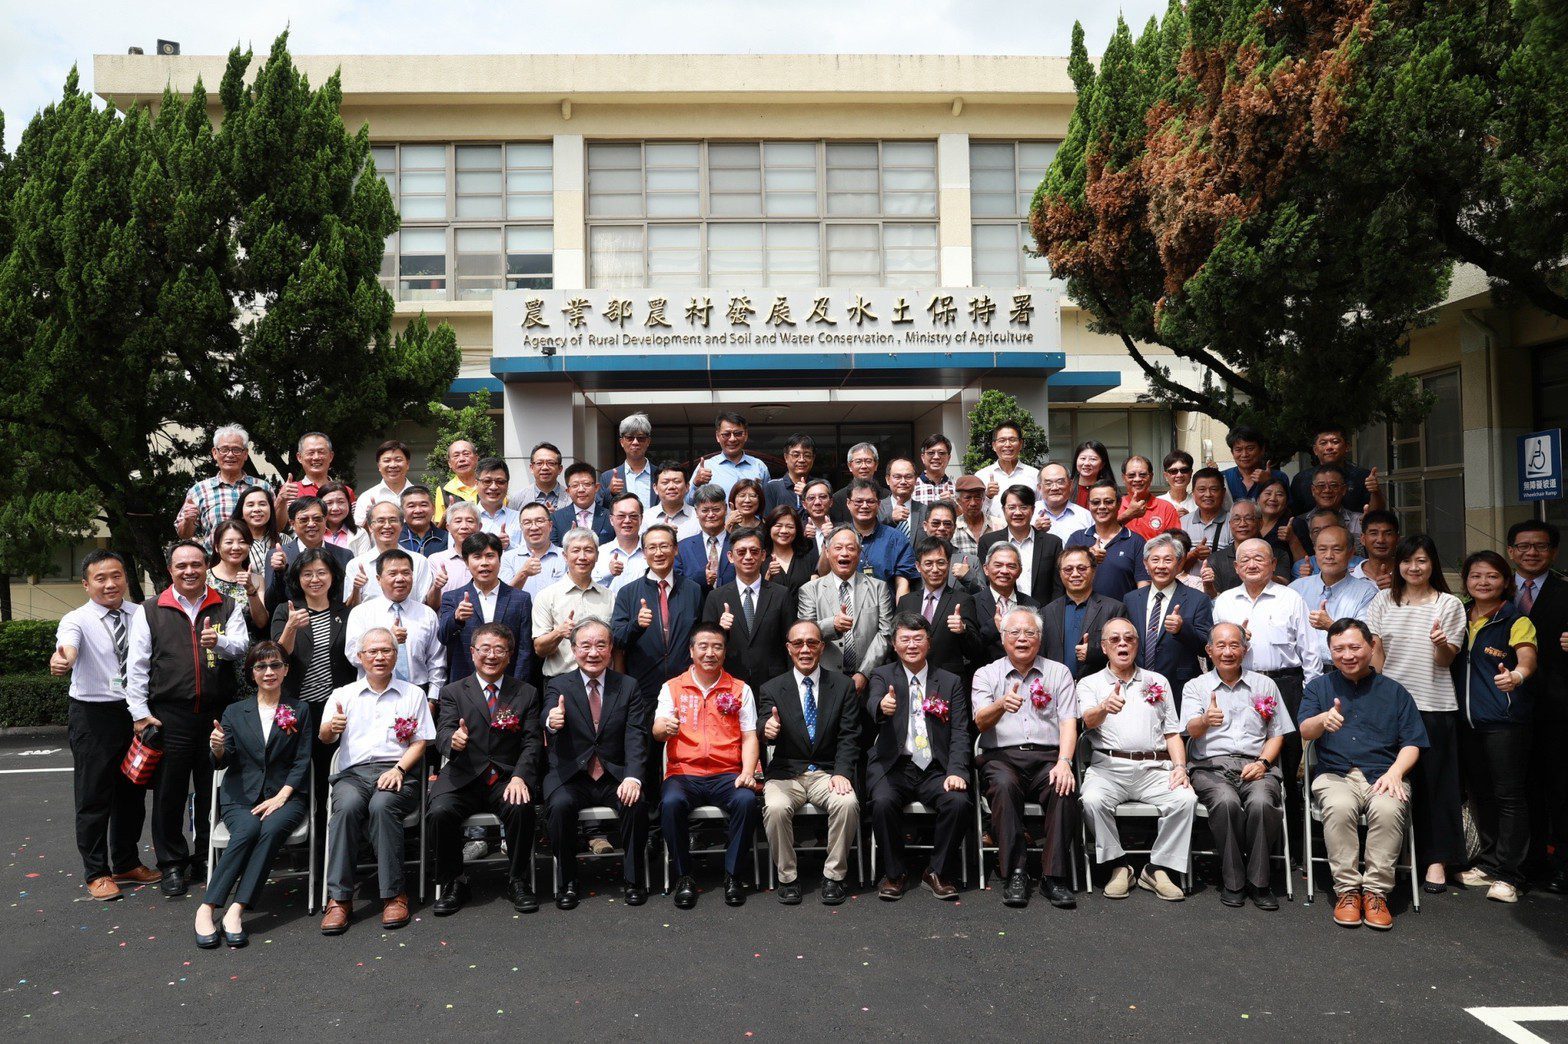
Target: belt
[1028,746]
[1138,755]
[1284,672]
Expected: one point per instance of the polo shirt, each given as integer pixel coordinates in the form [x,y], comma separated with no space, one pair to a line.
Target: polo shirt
[1159,517]
[1380,720]
[1356,495]
[1122,569]
[435,539]
[1238,488]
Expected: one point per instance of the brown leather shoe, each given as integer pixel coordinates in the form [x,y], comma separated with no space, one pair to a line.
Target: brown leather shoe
[939,888]
[1375,912]
[394,911]
[335,922]
[892,888]
[103,889]
[142,875]
[1347,911]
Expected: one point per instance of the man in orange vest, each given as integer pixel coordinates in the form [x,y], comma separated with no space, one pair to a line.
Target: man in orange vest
[708,721]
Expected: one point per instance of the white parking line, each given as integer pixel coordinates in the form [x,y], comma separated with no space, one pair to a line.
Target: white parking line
[1506,1021]
[24,772]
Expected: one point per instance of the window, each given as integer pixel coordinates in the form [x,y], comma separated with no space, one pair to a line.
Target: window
[1124,432]
[1425,467]
[773,213]
[1003,177]
[476,218]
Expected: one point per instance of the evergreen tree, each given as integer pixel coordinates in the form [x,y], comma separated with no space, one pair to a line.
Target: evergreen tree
[996,407]
[472,423]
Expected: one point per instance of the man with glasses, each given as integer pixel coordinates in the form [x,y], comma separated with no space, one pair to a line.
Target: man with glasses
[621,558]
[314,454]
[414,626]
[862,460]
[1026,712]
[899,509]
[1007,444]
[1072,621]
[533,563]
[309,521]
[817,511]
[496,515]
[933,483]
[732,463]
[1037,549]
[544,463]
[1141,511]
[963,566]
[998,597]
[1174,619]
[952,640]
[851,608]
[669,484]
[885,552]
[567,603]
[1328,491]
[703,556]
[585,508]
[754,613]
[212,500]
[634,474]
[1218,573]
[1117,550]
[385,523]
[1332,446]
[1056,513]
[800,455]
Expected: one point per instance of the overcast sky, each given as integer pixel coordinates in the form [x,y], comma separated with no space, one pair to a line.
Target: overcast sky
[41,41]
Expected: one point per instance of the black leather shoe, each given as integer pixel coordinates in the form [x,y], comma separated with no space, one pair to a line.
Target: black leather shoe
[685,893]
[1264,899]
[1016,893]
[636,895]
[1233,899]
[1058,894]
[236,940]
[450,898]
[566,898]
[833,892]
[207,942]
[523,898]
[1558,885]
[789,894]
[734,891]
[174,884]
[197,872]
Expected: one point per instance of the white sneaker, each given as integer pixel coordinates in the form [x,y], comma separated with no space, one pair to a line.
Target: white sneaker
[1503,892]
[1474,877]
[1119,884]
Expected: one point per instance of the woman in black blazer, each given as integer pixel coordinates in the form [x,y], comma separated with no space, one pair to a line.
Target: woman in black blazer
[265,745]
[792,560]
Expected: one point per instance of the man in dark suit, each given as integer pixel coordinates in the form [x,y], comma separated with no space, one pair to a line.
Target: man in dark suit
[653,618]
[309,520]
[812,717]
[1036,550]
[488,731]
[1543,597]
[484,600]
[899,508]
[998,597]
[953,630]
[800,454]
[862,460]
[1173,618]
[585,510]
[1072,623]
[702,557]
[920,751]
[596,739]
[755,614]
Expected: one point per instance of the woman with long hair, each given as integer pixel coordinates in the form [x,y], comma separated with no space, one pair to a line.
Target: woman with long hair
[1091,466]
[255,508]
[792,557]
[1418,627]
[1274,519]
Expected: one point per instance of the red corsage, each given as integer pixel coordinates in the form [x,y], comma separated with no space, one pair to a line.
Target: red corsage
[728,703]
[936,707]
[1038,696]
[405,729]
[1154,694]
[505,720]
[1265,706]
[285,718]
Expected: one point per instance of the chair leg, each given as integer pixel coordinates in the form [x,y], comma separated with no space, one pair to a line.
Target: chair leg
[1415,885]
[1290,886]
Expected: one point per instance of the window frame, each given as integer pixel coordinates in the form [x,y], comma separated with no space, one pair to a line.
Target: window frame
[1018,218]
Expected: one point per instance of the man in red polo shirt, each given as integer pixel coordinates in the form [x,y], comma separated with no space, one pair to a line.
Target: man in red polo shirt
[707,720]
[1141,511]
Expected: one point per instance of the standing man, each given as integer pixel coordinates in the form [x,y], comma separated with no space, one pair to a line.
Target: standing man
[92,645]
[1117,550]
[173,679]
[952,641]
[485,600]
[963,566]
[1328,491]
[635,473]
[569,601]
[1331,445]
[862,461]
[461,460]
[755,614]
[392,459]
[1332,593]
[212,500]
[899,509]
[851,609]
[813,719]
[732,463]
[1073,622]
[496,515]
[1007,444]
[800,455]
[671,509]
[1209,523]
[1379,538]
[1238,724]
[314,454]
[1026,711]
[621,558]
[309,521]
[971,524]
[1245,478]
[1142,511]
[1219,569]
[654,616]
[704,557]
[385,525]
[420,533]
[419,658]
[1056,513]
[885,552]
[919,751]
[1037,549]
[544,464]
[933,483]
[587,509]
[998,597]
[1175,619]
[534,563]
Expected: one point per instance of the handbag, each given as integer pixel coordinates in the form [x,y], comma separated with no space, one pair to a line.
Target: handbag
[142,758]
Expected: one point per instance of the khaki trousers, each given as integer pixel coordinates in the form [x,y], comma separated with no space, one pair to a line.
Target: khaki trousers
[782,798]
[1343,800]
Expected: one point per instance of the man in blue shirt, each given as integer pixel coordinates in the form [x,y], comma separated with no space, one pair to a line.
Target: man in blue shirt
[1332,593]
[1117,550]
[730,431]
[1368,734]
[1245,480]
[884,552]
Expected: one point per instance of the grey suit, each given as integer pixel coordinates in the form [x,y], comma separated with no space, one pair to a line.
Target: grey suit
[917,517]
[871,609]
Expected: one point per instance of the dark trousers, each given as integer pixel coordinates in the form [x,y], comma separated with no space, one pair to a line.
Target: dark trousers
[110,809]
[450,808]
[1549,789]
[1434,799]
[1497,769]
[1012,778]
[741,806]
[358,807]
[905,782]
[1289,683]
[186,770]
[1244,818]
[580,792]
[253,844]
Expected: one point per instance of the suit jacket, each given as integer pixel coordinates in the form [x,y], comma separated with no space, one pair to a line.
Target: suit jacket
[691,560]
[621,741]
[566,518]
[511,753]
[779,491]
[873,615]
[344,670]
[1173,655]
[754,654]
[952,743]
[258,769]
[1045,585]
[1550,616]
[275,583]
[953,653]
[514,610]
[1100,609]
[917,516]
[651,658]
[837,746]
[985,613]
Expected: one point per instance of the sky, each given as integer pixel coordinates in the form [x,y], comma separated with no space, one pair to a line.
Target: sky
[41,41]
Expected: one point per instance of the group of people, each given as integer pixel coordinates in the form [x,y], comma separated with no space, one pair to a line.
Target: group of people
[643,642]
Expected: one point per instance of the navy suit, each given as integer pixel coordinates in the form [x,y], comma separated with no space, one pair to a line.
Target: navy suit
[1173,655]
[566,518]
[780,491]
[514,610]
[651,658]
[691,560]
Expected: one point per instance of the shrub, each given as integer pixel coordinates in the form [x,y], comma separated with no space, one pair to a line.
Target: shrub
[33,699]
[26,645]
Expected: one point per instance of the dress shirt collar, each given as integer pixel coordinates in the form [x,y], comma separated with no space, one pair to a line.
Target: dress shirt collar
[586,677]
[755,587]
[917,677]
[815,677]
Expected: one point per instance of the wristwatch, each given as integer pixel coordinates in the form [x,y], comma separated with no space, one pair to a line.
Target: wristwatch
[1265,762]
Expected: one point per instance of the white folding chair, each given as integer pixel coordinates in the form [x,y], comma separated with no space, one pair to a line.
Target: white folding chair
[596,815]
[714,814]
[808,809]
[485,820]
[1032,810]
[304,834]
[1314,814]
[415,819]
[1125,810]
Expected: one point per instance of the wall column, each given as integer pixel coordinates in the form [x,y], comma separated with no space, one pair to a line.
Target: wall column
[953,222]
[568,201]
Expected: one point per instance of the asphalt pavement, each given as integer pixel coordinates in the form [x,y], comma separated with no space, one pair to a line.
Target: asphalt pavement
[919,969]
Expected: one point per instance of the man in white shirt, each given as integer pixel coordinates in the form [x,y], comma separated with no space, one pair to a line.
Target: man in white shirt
[392,459]
[533,563]
[462,521]
[620,560]
[380,725]
[1056,513]
[669,483]
[496,514]
[92,645]
[1138,756]
[1007,443]
[420,656]
[385,523]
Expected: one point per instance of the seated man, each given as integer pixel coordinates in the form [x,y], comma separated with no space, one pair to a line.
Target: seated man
[489,735]
[1026,711]
[707,719]
[381,725]
[597,744]
[920,751]
[1361,771]
[1238,721]
[816,747]
[1138,756]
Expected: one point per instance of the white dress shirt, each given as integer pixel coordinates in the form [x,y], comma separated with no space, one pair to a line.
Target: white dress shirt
[426,655]
[371,732]
[233,641]
[1146,718]
[1072,519]
[96,676]
[633,569]
[1169,591]
[484,605]
[380,493]
[372,589]
[816,690]
[1025,548]
[684,521]
[1280,625]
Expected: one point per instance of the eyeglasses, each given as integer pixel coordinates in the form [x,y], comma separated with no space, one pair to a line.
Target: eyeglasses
[228,451]
[634,438]
[746,552]
[804,643]
[1021,632]
[545,462]
[493,481]
[1078,568]
[1531,547]
[1121,639]
[1178,470]
[267,666]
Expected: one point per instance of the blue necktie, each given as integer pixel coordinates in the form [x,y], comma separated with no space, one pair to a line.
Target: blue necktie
[811,717]
[403,671]
[1155,626]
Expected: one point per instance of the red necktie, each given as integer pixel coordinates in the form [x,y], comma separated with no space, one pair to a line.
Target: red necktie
[595,705]
[490,702]
[1527,599]
[664,609]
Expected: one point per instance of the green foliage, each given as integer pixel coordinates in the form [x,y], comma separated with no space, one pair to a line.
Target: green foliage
[26,645]
[30,526]
[992,409]
[34,699]
[473,423]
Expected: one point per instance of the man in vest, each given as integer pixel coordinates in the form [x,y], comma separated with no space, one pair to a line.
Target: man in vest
[708,720]
[175,680]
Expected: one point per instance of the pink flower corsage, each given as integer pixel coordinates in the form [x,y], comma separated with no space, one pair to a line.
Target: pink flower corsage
[1154,694]
[285,718]
[1038,696]
[1265,706]
[936,707]
[728,703]
[505,720]
[405,729]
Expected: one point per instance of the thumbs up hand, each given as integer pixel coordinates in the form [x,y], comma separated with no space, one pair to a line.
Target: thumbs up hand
[216,740]
[465,609]
[299,619]
[361,578]
[506,541]
[438,577]
[1439,638]
[1173,620]
[279,559]
[1507,680]
[889,704]
[771,729]
[955,621]
[460,737]
[1372,484]
[339,721]
[59,663]
[1319,617]
[1115,701]
[1014,700]
[617,484]
[1333,720]
[1214,717]
[209,636]
[726,618]
[557,717]
[1081,650]
[843,623]
[1304,567]
[645,615]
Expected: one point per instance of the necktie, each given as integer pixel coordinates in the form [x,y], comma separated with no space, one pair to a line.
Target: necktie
[1156,621]
[490,702]
[929,609]
[1526,598]
[402,671]
[595,705]
[582,518]
[903,526]
[917,719]
[846,599]
[1005,605]
[117,630]
[748,607]
[713,549]
[811,711]
[664,609]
